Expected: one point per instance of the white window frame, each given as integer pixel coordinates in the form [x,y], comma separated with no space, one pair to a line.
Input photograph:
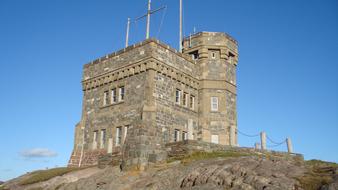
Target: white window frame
[214,103]
[178,96]
[176,135]
[215,139]
[125,132]
[185,99]
[192,102]
[122,93]
[113,96]
[105,98]
[184,135]
[118,136]
[103,138]
[95,139]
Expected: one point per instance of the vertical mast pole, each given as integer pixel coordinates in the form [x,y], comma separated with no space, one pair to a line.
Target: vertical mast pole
[148,19]
[127,33]
[181,23]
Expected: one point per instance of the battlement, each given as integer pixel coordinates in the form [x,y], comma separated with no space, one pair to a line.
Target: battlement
[217,40]
[137,45]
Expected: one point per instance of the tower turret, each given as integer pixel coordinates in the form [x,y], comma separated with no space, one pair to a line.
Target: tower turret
[216,56]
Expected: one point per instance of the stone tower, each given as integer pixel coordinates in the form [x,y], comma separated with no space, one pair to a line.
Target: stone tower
[216,56]
[139,99]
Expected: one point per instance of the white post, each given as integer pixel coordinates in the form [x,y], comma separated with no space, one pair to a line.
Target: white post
[263,140]
[148,19]
[289,143]
[127,33]
[257,146]
[181,26]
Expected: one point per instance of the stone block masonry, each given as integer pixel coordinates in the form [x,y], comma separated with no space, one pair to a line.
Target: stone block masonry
[137,100]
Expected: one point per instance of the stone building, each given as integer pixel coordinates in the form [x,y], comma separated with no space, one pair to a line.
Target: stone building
[140,98]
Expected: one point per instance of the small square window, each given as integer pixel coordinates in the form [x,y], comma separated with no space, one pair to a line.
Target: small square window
[214,103]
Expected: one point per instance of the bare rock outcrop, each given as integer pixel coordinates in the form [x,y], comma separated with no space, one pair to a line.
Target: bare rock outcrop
[233,173]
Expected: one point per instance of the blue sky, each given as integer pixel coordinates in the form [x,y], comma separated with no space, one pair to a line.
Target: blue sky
[287,71]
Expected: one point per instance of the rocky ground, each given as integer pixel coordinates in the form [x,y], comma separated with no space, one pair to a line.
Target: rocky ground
[235,173]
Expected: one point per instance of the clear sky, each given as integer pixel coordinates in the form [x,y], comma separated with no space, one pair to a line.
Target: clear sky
[287,71]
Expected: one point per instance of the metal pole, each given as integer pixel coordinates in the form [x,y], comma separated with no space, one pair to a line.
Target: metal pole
[148,19]
[181,23]
[289,143]
[127,33]
[263,140]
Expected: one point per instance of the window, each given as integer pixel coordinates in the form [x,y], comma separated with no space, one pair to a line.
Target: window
[113,96]
[231,58]
[121,93]
[103,138]
[176,135]
[192,101]
[125,133]
[194,55]
[214,139]
[184,135]
[185,99]
[178,96]
[214,103]
[105,98]
[95,139]
[118,135]
[213,55]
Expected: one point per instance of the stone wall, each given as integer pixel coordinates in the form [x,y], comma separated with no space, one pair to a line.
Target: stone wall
[171,116]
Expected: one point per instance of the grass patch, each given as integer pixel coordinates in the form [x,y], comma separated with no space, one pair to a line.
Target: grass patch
[319,173]
[319,163]
[3,187]
[44,175]
[207,155]
[313,181]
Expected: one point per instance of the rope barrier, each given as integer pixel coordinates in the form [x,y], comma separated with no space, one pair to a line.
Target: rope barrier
[274,142]
[244,134]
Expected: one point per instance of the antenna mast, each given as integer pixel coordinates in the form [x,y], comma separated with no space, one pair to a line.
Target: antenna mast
[148,19]
[181,23]
[149,12]
[127,33]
